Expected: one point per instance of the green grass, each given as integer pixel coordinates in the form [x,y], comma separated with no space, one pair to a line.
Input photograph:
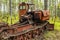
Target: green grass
[55,34]
[56,23]
[15,18]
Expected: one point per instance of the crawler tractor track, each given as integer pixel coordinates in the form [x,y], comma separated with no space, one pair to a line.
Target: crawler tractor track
[23,32]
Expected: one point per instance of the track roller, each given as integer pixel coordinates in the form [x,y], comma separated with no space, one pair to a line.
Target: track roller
[28,35]
[35,33]
[20,37]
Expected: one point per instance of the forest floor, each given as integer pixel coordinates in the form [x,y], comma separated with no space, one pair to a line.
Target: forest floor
[52,35]
[49,35]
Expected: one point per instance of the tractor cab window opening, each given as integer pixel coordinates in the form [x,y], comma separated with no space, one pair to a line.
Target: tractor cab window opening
[22,7]
[31,7]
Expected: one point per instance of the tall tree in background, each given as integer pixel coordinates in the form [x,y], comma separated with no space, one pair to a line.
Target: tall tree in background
[58,10]
[10,9]
[52,5]
[45,4]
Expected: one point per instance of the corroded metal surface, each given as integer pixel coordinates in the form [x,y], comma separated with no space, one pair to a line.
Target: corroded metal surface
[15,33]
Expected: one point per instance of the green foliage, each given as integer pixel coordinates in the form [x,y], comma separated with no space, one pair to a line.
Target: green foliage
[56,23]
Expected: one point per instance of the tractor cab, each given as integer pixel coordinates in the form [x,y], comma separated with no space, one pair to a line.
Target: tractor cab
[25,7]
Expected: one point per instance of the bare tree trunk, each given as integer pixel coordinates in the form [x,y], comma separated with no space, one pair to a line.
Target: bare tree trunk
[55,12]
[10,9]
[0,5]
[45,4]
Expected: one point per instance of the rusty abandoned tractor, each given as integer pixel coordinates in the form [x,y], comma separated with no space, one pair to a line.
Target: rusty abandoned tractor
[31,23]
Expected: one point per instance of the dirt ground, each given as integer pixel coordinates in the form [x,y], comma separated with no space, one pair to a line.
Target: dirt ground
[49,35]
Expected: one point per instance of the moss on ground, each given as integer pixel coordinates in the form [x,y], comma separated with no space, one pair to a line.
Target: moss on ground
[53,35]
